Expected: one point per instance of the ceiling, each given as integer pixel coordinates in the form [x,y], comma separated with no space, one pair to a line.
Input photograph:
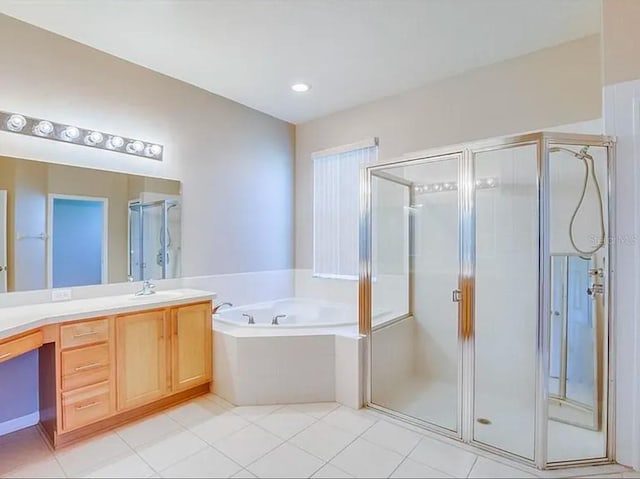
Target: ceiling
[350,51]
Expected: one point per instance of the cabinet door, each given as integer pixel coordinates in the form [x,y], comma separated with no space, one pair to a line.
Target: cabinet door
[191,346]
[142,358]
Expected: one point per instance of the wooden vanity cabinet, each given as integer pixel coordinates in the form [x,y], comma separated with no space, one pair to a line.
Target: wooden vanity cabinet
[191,359]
[141,345]
[103,372]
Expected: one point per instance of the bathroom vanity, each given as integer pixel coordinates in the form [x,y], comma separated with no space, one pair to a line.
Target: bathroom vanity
[106,361]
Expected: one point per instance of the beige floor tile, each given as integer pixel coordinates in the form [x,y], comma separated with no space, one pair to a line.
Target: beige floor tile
[39,468]
[130,466]
[316,409]
[447,458]
[194,412]
[219,427]
[365,459]
[285,422]
[152,429]
[248,444]
[329,471]
[91,453]
[351,421]
[206,463]
[21,448]
[393,437]
[286,461]
[412,469]
[323,440]
[173,448]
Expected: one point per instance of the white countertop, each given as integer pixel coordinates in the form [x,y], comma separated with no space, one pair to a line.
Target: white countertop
[18,319]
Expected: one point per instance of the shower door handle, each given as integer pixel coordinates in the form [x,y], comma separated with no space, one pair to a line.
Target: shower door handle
[456,296]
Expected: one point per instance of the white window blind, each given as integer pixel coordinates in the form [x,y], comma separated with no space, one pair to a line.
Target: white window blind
[336,208]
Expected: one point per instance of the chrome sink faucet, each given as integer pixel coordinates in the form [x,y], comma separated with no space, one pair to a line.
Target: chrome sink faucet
[147,288]
[277,317]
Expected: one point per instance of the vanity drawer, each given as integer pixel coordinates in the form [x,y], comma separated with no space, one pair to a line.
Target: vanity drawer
[16,347]
[85,406]
[88,332]
[81,367]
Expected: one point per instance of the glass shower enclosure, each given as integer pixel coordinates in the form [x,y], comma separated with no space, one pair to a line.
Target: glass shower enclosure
[153,246]
[485,293]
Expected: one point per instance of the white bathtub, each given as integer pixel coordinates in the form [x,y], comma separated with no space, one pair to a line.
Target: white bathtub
[299,313]
[312,355]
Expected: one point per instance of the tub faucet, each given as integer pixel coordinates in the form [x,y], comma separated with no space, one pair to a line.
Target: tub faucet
[215,310]
[276,317]
[251,320]
[147,288]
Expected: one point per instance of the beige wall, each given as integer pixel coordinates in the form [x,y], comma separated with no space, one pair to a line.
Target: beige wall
[236,164]
[554,86]
[621,40]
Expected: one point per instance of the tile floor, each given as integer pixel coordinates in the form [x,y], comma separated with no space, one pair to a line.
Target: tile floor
[208,437]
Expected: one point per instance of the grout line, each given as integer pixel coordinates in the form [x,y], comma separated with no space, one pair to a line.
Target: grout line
[473,465]
[407,456]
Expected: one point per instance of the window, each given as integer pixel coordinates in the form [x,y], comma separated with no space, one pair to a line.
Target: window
[336,208]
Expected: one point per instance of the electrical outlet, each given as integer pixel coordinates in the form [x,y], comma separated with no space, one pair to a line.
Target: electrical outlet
[60,294]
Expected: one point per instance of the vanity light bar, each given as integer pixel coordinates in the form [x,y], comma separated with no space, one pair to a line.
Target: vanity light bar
[50,130]
[481,184]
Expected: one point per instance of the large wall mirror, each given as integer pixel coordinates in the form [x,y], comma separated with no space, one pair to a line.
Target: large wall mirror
[575,385]
[64,226]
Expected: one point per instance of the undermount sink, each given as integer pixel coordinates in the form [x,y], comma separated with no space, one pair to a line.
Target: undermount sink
[159,295]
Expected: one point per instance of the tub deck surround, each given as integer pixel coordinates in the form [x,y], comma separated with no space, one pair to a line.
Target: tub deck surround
[18,319]
[315,356]
[106,361]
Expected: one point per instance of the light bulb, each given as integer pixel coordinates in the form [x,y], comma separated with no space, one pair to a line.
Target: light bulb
[115,142]
[437,187]
[43,128]
[301,87]
[135,147]
[153,150]
[94,138]
[490,182]
[16,122]
[70,133]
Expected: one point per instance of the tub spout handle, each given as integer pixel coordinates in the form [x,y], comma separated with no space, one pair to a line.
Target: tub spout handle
[251,320]
[277,317]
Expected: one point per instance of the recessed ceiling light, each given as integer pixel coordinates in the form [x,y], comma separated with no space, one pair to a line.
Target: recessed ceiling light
[300,87]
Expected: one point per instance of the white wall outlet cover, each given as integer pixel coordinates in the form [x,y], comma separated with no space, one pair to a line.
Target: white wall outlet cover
[60,294]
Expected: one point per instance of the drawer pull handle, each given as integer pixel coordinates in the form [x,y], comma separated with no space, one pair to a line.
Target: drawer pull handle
[88,333]
[88,366]
[5,355]
[87,406]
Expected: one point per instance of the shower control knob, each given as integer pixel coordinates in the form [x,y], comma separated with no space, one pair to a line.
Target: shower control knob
[2,268]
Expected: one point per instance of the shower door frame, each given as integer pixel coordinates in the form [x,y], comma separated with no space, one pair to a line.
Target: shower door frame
[466,307]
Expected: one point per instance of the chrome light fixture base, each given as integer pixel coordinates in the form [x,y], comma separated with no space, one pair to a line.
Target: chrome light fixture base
[25,125]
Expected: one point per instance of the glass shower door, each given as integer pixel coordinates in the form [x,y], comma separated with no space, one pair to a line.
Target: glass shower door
[506,298]
[414,295]
[147,240]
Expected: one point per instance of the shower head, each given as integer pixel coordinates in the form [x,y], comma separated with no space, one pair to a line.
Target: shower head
[581,155]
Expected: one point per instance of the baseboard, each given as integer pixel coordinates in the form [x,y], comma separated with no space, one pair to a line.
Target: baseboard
[19,423]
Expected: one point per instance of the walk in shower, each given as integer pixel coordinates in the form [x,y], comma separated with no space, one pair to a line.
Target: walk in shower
[487,268]
[154,239]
